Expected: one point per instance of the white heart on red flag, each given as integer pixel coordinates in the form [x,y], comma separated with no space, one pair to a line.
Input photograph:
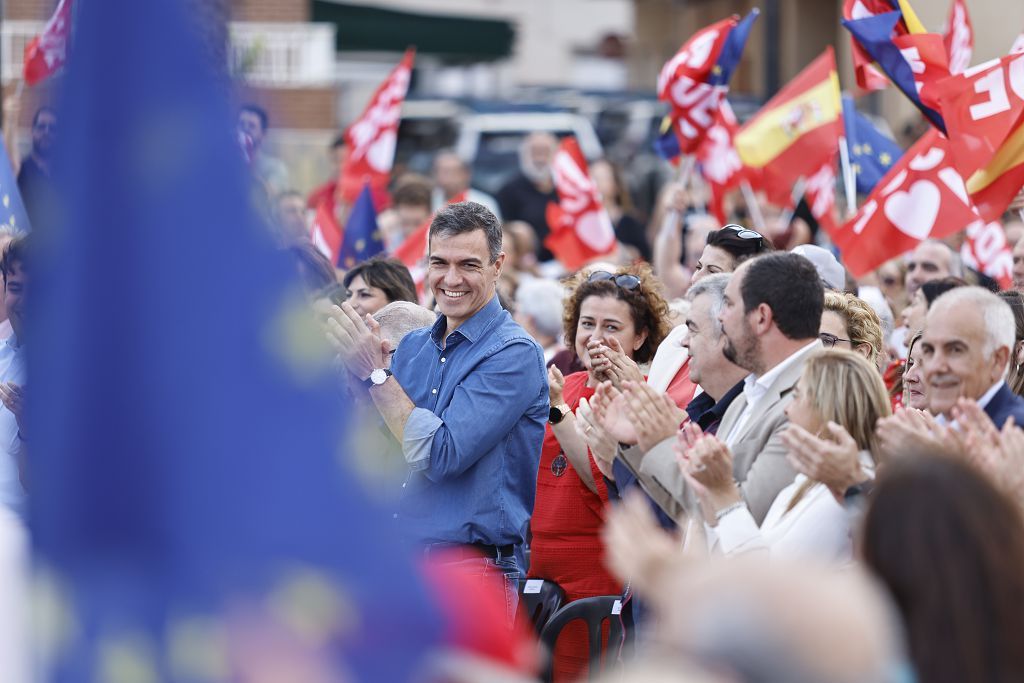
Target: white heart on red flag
[914,212]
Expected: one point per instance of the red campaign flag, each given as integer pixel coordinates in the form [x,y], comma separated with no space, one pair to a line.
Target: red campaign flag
[720,164]
[921,197]
[987,251]
[926,55]
[414,248]
[46,53]
[869,76]
[325,232]
[982,107]
[820,194]
[683,83]
[581,230]
[959,38]
[993,188]
[371,139]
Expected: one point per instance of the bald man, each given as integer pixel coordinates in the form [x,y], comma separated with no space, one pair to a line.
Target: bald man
[526,196]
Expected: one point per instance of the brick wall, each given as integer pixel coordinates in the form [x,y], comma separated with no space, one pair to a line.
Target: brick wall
[304,109]
[33,10]
[270,10]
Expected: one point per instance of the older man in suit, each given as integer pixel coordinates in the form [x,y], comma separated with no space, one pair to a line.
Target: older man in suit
[966,349]
[770,318]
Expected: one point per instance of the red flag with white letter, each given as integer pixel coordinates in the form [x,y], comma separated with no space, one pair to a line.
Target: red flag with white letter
[959,38]
[372,138]
[921,197]
[46,53]
[820,194]
[986,250]
[581,230]
[719,161]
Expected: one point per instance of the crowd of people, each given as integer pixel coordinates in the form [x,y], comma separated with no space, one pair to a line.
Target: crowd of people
[785,473]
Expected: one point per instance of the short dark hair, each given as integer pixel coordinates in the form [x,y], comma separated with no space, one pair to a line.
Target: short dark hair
[14,256]
[260,113]
[790,286]
[387,274]
[412,190]
[456,219]
[933,289]
[43,110]
[728,239]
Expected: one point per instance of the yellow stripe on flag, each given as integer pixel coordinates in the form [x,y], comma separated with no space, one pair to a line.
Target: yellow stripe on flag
[1010,155]
[914,24]
[777,129]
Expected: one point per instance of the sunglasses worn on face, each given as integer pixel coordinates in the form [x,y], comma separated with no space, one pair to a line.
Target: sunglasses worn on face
[831,339]
[624,281]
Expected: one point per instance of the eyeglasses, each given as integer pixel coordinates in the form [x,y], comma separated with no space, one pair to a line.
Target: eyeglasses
[744,233]
[831,339]
[623,281]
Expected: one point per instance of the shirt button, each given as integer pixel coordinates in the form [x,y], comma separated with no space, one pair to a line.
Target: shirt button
[394,516]
[433,391]
[442,360]
[403,486]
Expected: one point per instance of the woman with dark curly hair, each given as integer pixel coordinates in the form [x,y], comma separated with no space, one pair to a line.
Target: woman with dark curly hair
[613,321]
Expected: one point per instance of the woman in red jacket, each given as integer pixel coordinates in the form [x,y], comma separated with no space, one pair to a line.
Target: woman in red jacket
[613,321]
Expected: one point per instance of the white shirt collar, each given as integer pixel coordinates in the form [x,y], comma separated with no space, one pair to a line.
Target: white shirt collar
[756,387]
[987,397]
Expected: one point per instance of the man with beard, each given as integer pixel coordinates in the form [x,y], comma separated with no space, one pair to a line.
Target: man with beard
[12,377]
[35,179]
[526,196]
[770,317]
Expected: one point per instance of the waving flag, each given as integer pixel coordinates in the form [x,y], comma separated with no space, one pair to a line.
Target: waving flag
[46,53]
[718,160]
[820,195]
[921,197]
[325,231]
[993,188]
[796,131]
[871,153]
[372,138]
[959,37]
[912,61]
[869,77]
[987,251]
[695,81]
[362,237]
[12,209]
[581,230]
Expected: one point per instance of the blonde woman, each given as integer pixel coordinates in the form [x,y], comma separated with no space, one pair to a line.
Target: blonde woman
[839,397]
[848,322]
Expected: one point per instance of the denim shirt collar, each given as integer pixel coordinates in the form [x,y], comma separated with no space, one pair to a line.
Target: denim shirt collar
[473,328]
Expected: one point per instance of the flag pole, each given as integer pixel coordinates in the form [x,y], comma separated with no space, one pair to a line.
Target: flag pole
[686,167]
[752,206]
[798,194]
[849,179]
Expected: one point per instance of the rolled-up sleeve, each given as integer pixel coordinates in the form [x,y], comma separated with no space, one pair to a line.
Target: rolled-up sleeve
[418,437]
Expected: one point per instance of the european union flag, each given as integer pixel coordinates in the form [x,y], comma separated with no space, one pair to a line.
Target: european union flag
[12,210]
[667,144]
[192,509]
[875,35]
[362,237]
[872,154]
[732,50]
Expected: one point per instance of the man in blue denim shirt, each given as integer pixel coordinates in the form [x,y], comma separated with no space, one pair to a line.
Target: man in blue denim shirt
[468,401]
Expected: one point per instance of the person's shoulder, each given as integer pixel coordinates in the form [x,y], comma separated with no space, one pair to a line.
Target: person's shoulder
[508,334]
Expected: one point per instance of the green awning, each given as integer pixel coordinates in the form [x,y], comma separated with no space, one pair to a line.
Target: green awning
[452,38]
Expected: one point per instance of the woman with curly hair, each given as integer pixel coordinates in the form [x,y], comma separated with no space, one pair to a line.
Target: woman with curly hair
[613,321]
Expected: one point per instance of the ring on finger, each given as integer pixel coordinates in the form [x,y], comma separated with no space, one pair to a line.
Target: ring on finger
[699,467]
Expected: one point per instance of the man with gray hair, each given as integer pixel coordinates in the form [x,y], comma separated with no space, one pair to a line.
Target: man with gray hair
[968,341]
[467,398]
[399,318]
[931,260]
[539,308]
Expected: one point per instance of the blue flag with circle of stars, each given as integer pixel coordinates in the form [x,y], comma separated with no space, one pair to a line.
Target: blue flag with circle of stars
[12,210]
[872,154]
[362,237]
[196,513]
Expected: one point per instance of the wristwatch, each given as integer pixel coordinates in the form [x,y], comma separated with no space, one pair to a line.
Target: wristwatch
[558,413]
[377,377]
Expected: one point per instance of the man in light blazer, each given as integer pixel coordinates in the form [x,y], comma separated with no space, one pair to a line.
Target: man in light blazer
[770,318]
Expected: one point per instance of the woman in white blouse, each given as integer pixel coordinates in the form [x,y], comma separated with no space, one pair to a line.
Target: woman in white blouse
[839,397]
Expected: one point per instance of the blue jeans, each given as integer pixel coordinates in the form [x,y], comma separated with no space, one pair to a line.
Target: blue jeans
[504,567]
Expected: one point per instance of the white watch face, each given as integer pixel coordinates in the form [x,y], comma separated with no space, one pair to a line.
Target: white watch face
[378,376]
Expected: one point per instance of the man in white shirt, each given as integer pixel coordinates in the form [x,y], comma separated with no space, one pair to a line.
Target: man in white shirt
[770,318]
[969,339]
[12,377]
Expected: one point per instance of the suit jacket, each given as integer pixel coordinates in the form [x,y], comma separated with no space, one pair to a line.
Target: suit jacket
[1005,404]
[759,457]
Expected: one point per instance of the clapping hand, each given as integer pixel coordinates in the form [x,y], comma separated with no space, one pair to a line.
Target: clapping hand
[611,363]
[655,417]
[707,465]
[637,550]
[835,461]
[13,397]
[556,384]
[601,445]
[608,406]
[909,431]
[357,342]
[998,453]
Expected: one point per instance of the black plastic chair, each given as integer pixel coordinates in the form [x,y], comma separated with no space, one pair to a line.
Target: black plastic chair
[539,606]
[593,611]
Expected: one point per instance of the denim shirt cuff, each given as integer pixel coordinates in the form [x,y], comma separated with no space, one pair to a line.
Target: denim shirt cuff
[418,437]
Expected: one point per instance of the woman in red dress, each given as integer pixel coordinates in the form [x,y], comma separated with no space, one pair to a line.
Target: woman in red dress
[613,321]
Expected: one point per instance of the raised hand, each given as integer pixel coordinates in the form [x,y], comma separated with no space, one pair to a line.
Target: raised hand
[654,416]
[608,406]
[834,461]
[357,341]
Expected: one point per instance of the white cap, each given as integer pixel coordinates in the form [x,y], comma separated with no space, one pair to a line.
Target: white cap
[829,269]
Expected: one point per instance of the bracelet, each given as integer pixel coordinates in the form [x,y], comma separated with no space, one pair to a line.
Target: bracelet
[728,509]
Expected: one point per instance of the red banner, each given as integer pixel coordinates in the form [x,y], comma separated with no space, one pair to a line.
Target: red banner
[46,53]
[720,164]
[986,250]
[959,38]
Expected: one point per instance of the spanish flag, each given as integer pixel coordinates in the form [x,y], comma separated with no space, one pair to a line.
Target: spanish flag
[796,131]
[994,187]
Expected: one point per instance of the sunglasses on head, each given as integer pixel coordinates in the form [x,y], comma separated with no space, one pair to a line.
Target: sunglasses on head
[624,281]
[744,233]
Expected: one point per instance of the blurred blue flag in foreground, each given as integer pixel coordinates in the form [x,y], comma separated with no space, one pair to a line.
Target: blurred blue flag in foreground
[191,514]
[12,209]
[362,237]
[871,153]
